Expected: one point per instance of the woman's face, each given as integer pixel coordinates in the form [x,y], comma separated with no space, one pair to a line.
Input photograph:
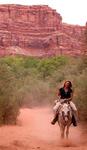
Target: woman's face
[67,84]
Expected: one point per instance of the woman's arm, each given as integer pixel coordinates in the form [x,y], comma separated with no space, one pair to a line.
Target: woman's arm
[71,97]
[58,97]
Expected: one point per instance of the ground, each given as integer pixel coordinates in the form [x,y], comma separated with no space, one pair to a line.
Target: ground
[34,132]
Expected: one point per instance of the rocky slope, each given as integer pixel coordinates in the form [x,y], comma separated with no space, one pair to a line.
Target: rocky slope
[37,31]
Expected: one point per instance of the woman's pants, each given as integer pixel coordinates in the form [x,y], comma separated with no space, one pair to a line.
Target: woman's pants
[55,108]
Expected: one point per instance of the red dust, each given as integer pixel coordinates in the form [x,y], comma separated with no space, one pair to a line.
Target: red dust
[34,131]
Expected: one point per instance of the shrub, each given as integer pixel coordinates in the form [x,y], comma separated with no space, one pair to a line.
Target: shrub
[27,81]
[8,104]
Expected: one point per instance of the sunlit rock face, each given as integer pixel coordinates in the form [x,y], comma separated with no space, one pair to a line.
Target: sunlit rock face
[37,31]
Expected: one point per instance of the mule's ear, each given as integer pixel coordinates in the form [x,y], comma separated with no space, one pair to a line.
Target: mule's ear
[62,112]
[68,112]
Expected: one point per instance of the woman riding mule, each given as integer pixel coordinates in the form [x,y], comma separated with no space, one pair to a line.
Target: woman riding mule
[65,94]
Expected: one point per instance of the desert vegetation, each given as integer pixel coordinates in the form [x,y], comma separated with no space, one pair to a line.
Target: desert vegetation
[27,82]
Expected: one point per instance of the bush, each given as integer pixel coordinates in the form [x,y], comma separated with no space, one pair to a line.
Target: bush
[81,95]
[8,104]
[47,66]
[27,81]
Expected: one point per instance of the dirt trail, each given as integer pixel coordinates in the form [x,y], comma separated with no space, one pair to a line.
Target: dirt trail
[34,132]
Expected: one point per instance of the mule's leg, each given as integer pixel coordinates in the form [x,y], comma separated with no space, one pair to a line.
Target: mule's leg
[67,131]
[62,129]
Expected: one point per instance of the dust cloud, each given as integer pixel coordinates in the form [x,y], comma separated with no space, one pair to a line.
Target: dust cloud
[34,131]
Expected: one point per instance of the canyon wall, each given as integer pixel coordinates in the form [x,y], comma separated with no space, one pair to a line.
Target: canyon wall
[37,31]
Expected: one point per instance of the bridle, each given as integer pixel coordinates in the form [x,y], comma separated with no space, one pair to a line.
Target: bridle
[65,112]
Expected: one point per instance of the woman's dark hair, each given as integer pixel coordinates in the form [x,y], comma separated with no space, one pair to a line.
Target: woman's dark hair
[70,84]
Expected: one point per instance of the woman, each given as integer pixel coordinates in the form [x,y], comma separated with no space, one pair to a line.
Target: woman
[65,94]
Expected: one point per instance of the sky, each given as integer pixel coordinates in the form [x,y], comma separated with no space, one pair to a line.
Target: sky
[72,11]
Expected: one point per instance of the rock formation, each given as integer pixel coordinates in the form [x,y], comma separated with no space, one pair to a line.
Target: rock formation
[37,31]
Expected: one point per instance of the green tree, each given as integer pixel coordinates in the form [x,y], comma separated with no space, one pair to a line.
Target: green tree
[9,107]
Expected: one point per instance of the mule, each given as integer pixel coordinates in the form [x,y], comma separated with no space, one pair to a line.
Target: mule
[65,119]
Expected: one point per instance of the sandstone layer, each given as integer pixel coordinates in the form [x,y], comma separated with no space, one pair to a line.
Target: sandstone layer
[38,31]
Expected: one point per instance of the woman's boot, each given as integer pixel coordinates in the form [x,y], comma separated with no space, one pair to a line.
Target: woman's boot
[74,118]
[54,119]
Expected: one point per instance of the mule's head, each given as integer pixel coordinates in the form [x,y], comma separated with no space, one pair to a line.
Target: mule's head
[66,112]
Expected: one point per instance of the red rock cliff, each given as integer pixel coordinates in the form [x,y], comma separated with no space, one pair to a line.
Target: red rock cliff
[37,31]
